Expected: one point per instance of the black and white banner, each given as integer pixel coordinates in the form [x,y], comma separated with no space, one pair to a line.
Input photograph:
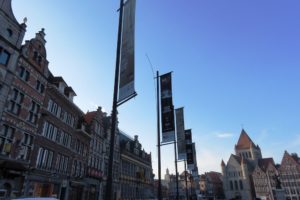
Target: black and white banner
[126,86]
[190,157]
[180,134]
[188,136]
[167,108]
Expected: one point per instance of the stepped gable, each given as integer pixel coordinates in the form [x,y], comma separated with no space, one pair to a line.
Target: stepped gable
[244,141]
[89,116]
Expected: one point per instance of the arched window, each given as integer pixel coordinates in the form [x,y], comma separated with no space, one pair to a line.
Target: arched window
[241,185]
[236,185]
[231,185]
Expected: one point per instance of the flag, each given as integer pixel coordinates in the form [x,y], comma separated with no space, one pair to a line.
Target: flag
[126,85]
[188,136]
[180,134]
[190,157]
[167,108]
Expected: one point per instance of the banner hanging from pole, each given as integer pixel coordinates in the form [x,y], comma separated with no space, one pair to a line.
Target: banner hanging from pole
[126,85]
[167,108]
[188,136]
[180,134]
[190,157]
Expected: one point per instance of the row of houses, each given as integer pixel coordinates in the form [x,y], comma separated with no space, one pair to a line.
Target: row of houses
[48,145]
[247,175]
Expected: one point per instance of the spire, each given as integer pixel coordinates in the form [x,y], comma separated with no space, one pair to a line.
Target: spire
[244,141]
[222,163]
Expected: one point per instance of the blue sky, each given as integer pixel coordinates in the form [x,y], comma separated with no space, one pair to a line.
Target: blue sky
[235,64]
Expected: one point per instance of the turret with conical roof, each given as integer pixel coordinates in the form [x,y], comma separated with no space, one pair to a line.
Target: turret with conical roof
[223,167]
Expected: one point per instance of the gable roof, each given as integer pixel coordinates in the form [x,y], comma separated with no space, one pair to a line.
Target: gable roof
[293,157]
[214,176]
[265,162]
[244,141]
[89,116]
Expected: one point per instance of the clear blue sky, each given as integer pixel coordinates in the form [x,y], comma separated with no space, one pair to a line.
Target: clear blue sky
[235,64]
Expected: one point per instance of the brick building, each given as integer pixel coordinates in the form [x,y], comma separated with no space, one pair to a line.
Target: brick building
[211,185]
[290,175]
[264,178]
[97,150]
[48,145]
[22,76]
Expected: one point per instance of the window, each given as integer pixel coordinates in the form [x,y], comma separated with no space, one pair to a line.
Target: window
[6,139]
[241,184]
[24,74]
[9,32]
[33,112]
[15,103]
[236,185]
[39,87]
[26,146]
[44,159]
[61,163]
[4,56]
[35,56]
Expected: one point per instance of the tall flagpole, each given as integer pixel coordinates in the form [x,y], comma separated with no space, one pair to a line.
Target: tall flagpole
[109,185]
[185,177]
[158,139]
[176,171]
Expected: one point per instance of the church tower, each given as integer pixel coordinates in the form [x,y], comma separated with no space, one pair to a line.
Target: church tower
[246,148]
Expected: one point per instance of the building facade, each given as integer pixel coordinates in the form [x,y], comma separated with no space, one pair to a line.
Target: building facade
[20,100]
[95,172]
[237,173]
[264,178]
[136,169]
[211,185]
[290,175]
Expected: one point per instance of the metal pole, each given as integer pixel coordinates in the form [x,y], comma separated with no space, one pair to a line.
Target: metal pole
[186,189]
[158,138]
[109,185]
[175,152]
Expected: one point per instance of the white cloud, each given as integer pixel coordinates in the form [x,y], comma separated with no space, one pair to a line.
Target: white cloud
[224,135]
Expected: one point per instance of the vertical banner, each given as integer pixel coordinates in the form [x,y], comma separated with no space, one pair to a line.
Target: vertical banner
[180,134]
[190,157]
[188,136]
[126,86]
[167,110]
